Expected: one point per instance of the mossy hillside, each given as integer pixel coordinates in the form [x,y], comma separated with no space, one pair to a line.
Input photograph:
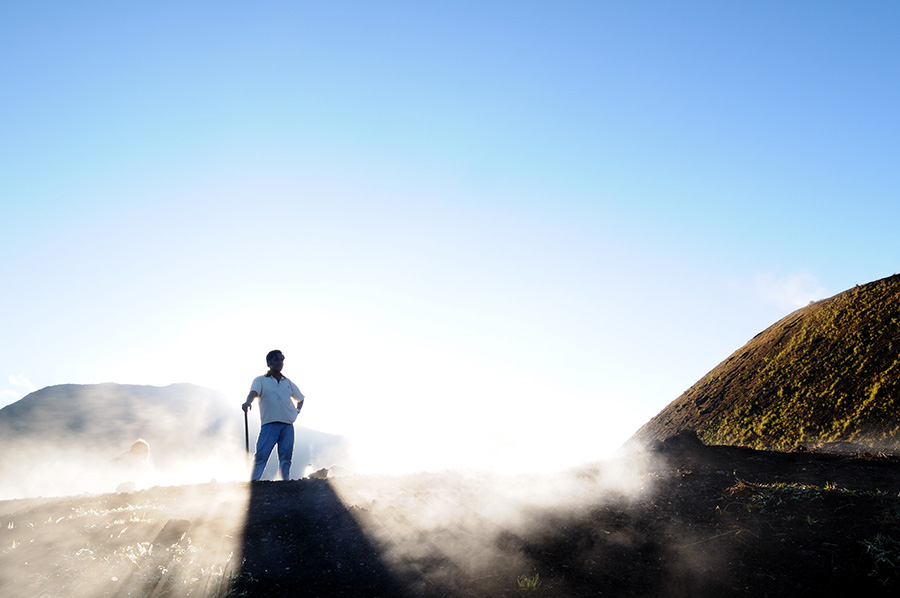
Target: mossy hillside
[829,372]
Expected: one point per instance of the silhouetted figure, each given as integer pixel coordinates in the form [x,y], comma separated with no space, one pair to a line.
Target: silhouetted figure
[277,414]
[132,468]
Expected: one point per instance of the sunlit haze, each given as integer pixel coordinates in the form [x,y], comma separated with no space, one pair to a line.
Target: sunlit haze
[498,235]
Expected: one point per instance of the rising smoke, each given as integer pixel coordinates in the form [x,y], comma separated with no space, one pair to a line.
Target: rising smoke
[460,519]
[475,522]
[75,439]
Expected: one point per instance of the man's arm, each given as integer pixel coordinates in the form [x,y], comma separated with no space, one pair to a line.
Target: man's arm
[248,404]
[297,396]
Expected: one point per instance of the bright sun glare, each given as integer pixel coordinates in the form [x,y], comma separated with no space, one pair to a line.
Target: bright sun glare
[405,403]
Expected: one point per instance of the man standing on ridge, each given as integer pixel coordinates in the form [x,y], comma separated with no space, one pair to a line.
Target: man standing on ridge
[277,414]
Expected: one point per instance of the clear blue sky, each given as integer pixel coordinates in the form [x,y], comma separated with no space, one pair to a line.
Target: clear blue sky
[500,229]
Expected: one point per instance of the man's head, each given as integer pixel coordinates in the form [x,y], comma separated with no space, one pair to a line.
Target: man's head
[275,360]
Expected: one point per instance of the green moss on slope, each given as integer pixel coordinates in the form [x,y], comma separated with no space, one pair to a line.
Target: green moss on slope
[829,372]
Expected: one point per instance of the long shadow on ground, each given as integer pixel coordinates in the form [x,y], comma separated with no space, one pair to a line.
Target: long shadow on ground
[319,550]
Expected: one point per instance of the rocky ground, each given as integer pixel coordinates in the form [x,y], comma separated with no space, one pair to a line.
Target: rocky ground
[680,520]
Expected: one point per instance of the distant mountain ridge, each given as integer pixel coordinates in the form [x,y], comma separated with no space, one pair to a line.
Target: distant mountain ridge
[826,373]
[111,415]
[62,439]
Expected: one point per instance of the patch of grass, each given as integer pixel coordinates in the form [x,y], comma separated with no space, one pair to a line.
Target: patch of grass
[883,552]
[529,584]
[767,497]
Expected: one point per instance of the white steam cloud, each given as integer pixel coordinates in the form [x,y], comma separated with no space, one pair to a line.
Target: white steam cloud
[459,518]
[788,291]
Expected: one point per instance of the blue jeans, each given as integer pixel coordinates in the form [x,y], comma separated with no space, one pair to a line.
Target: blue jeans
[270,435]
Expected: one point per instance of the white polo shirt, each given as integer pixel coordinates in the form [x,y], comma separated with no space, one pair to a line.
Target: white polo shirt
[275,403]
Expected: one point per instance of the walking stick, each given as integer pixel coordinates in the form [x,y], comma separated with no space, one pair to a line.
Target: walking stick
[246,435]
